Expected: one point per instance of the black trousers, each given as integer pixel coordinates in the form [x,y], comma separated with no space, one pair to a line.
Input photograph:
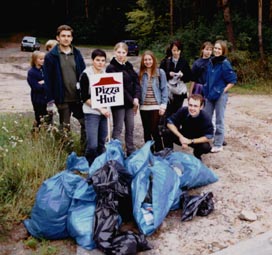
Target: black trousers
[199,148]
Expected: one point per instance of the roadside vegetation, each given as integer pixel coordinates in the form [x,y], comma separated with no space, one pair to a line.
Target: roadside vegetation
[27,158]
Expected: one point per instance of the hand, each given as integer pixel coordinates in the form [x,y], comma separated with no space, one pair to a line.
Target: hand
[135,105]
[180,74]
[161,111]
[172,74]
[184,141]
[51,108]
[105,112]
[135,109]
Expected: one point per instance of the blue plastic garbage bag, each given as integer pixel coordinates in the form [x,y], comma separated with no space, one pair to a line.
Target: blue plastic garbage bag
[154,190]
[194,172]
[53,199]
[113,151]
[139,159]
[81,215]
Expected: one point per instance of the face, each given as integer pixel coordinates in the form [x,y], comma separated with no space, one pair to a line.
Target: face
[65,38]
[194,107]
[217,50]
[40,60]
[99,63]
[148,61]
[175,52]
[121,55]
[207,52]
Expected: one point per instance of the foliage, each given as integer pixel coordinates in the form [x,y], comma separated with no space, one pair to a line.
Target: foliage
[27,158]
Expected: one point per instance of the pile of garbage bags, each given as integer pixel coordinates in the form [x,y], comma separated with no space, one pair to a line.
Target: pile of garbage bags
[90,204]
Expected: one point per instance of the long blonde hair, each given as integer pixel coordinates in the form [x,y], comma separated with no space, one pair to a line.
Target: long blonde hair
[143,67]
[35,55]
[121,45]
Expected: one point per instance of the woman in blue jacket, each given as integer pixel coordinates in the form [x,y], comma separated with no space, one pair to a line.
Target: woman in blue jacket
[220,78]
[154,97]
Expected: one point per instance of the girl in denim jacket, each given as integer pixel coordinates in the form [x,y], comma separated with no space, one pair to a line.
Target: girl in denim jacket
[154,97]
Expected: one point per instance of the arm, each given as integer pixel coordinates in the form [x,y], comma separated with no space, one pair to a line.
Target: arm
[164,90]
[84,88]
[35,81]
[229,75]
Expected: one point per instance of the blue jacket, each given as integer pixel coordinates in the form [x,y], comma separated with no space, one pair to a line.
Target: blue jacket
[219,74]
[38,95]
[53,75]
[159,87]
[199,70]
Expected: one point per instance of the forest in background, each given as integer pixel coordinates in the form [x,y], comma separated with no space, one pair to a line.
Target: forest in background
[246,25]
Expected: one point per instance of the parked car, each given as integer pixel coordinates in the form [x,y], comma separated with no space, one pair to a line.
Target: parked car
[30,43]
[133,47]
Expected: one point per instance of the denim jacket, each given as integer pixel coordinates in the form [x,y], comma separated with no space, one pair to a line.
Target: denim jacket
[159,85]
[218,76]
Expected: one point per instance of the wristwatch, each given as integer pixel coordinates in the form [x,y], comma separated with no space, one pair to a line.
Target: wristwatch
[192,141]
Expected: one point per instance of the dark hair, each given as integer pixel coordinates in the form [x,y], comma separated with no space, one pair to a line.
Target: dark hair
[204,45]
[176,43]
[197,97]
[64,27]
[99,53]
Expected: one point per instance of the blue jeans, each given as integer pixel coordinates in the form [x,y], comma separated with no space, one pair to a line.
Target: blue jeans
[96,134]
[219,107]
[120,116]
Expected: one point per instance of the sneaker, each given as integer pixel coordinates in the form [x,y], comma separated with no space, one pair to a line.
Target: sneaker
[216,149]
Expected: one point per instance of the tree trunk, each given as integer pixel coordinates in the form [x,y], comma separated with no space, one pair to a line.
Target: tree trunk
[171,17]
[227,19]
[270,11]
[86,9]
[260,36]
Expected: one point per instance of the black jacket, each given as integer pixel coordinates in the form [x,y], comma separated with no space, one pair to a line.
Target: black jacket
[131,83]
[168,65]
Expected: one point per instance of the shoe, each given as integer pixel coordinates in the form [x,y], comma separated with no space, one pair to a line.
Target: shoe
[216,149]
[225,143]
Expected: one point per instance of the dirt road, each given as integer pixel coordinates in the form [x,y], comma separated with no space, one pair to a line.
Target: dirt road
[244,170]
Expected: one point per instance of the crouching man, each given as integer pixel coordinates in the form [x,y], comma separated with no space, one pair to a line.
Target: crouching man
[191,126]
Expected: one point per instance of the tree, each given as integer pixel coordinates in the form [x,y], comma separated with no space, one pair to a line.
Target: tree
[228,23]
[261,50]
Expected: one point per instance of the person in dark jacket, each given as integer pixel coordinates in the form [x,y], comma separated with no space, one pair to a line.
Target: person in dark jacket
[191,126]
[35,79]
[132,94]
[199,68]
[220,79]
[176,68]
[63,66]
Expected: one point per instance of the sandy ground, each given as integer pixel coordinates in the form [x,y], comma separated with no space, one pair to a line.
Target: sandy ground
[244,170]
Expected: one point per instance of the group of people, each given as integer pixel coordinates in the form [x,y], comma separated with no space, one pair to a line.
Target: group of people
[60,77]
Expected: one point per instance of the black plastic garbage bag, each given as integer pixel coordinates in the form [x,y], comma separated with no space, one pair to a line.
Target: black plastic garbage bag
[200,205]
[112,184]
[129,243]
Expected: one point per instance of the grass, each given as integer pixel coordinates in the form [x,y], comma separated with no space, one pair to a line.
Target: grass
[26,159]
[255,88]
